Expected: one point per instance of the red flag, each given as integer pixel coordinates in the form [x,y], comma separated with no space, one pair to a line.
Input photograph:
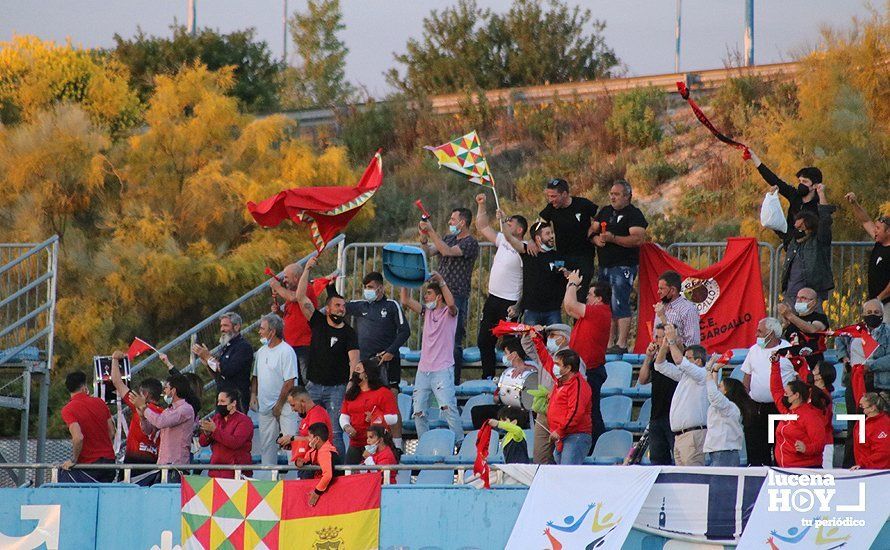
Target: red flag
[480,466]
[505,328]
[327,210]
[684,93]
[138,347]
[321,283]
[859,330]
[728,294]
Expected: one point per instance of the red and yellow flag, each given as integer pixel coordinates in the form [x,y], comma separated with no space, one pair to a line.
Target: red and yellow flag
[228,513]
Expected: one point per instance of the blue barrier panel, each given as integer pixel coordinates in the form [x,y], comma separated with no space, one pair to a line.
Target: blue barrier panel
[76,506]
[141,515]
[440,516]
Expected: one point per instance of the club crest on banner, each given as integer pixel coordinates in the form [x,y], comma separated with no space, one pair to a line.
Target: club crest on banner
[701,292]
[328,538]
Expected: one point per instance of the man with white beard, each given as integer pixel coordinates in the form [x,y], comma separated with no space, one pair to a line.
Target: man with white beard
[232,364]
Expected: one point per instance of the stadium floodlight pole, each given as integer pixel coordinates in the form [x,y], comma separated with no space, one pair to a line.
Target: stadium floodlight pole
[677,37]
[284,34]
[749,33]
[192,17]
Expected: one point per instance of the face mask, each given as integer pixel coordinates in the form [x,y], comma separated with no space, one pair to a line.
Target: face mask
[801,307]
[264,341]
[666,300]
[552,346]
[803,190]
[557,371]
[873,321]
[222,410]
[336,318]
[507,362]
[168,399]
[430,305]
[452,229]
[798,234]
[369,294]
[224,338]
[371,448]
[786,402]
[761,341]
[546,248]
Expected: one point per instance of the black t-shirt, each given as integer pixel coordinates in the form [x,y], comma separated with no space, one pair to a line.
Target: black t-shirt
[571,225]
[802,343]
[329,351]
[662,393]
[878,271]
[618,223]
[543,284]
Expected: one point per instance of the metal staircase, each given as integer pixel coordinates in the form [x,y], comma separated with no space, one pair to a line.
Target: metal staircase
[28,274]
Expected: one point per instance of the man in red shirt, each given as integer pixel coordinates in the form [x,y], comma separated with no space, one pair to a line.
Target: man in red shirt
[92,430]
[310,413]
[141,447]
[590,338]
[229,433]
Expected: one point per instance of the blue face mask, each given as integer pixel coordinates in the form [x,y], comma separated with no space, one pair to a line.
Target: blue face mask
[168,399]
[557,371]
[430,305]
[452,229]
[371,448]
[369,294]
[761,341]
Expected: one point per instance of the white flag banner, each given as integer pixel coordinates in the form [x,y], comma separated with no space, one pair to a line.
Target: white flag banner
[582,507]
[825,509]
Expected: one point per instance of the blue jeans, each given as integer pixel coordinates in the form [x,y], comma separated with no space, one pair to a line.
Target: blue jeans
[331,398]
[542,317]
[621,279]
[441,384]
[574,449]
[463,309]
[724,458]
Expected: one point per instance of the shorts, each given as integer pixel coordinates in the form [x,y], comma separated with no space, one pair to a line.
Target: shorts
[621,279]
[391,372]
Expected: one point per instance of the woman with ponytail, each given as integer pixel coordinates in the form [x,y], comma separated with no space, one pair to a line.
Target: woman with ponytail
[874,453]
[799,443]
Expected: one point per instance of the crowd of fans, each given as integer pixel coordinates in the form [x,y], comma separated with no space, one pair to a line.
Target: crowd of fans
[317,376]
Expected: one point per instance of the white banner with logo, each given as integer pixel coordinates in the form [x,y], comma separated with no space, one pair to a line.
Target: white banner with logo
[582,506]
[824,509]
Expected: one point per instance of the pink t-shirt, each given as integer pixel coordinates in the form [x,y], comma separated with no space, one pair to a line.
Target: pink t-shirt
[437,350]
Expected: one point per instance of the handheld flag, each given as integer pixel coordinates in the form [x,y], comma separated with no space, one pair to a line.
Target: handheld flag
[327,210]
[504,328]
[464,155]
[138,347]
[480,465]
[684,93]
[859,330]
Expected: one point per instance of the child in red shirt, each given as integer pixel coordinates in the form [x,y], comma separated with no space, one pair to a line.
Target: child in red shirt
[380,449]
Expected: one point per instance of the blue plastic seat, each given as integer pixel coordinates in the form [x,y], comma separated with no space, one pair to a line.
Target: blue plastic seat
[642,420]
[404,265]
[432,448]
[616,411]
[737,373]
[435,477]
[406,404]
[738,356]
[611,448]
[832,355]
[475,387]
[410,355]
[640,391]
[839,393]
[434,418]
[472,355]
[467,452]
[203,456]
[619,374]
[613,357]
[466,414]
[634,358]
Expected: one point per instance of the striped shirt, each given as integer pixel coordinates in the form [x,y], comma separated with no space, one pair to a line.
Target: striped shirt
[684,315]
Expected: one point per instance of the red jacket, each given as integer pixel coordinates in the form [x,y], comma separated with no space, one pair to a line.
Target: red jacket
[569,410]
[874,454]
[384,456]
[230,442]
[808,428]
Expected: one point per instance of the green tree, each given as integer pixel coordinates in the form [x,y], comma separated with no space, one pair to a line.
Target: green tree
[257,74]
[535,42]
[321,77]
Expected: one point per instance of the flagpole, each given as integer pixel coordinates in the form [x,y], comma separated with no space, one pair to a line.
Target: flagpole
[497,203]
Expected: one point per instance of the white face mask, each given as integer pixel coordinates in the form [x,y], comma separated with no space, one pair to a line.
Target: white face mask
[453,229]
[545,248]
[801,307]
[264,341]
[507,362]
[557,371]
[369,294]
[371,448]
[552,346]
[168,399]
[430,305]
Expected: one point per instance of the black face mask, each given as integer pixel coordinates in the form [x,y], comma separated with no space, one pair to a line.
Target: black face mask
[337,318]
[797,233]
[786,402]
[666,300]
[223,410]
[803,190]
[873,321]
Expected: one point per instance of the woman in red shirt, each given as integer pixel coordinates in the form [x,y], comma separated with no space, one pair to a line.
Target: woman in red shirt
[799,443]
[874,454]
[367,402]
[568,412]
[380,450]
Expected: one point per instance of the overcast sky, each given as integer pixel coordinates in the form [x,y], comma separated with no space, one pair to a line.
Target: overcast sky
[640,31]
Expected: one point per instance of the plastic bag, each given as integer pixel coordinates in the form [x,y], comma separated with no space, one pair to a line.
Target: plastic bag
[771,214]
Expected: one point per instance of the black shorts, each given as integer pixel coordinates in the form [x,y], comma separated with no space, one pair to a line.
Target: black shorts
[391,372]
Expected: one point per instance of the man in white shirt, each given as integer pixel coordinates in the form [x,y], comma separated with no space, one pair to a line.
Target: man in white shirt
[689,406]
[757,367]
[274,371]
[504,281]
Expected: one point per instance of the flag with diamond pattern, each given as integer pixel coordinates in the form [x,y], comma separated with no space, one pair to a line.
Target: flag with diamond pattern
[240,514]
[464,155]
